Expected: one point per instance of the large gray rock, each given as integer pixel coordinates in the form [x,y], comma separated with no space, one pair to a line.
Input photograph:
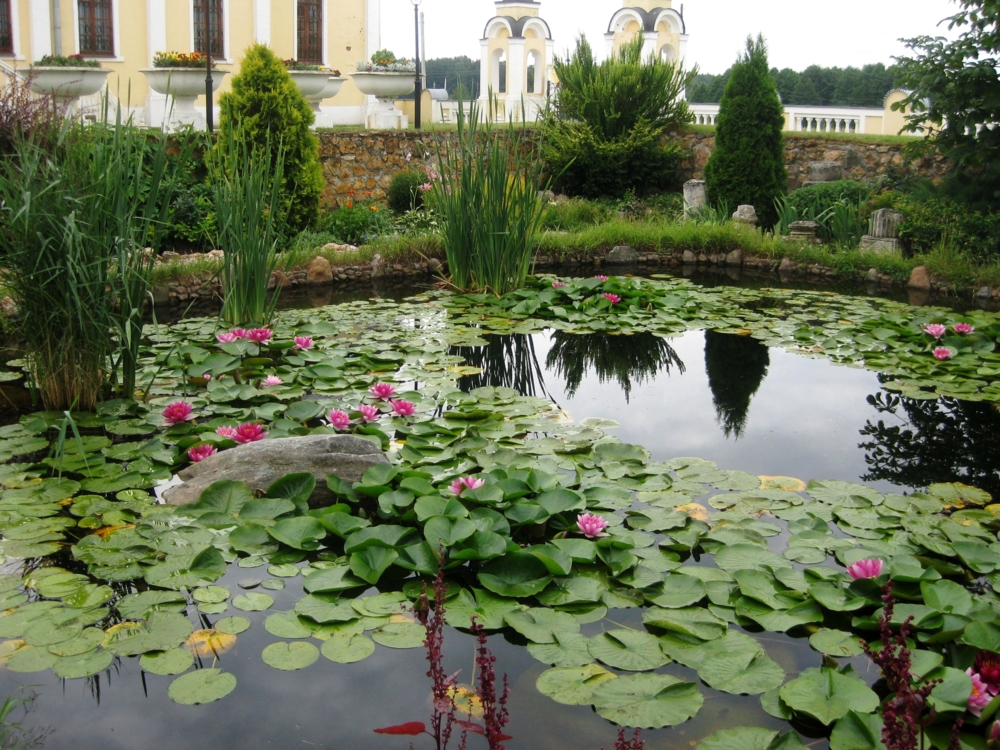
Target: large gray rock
[261,464]
[622,254]
[745,215]
[825,171]
[695,196]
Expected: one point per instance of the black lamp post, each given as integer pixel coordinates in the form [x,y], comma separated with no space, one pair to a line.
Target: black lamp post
[418,89]
[209,113]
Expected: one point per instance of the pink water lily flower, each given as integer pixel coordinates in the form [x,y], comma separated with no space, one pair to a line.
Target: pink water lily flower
[403,408]
[369,412]
[592,526]
[866,568]
[466,483]
[936,330]
[994,733]
[614,299]
[558,284]
[340,420]
[227,338]
[241,333]
[201,452]
[601,278]
[964,328]
[207,376]
[980,697]
[271,380]
[260,335]
[942,353]
[226,432]
[178,412]
[383,391]
[249,433]
[303,343]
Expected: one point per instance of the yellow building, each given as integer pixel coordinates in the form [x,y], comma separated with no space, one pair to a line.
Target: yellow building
[516,60]
[125,34]
[663,29]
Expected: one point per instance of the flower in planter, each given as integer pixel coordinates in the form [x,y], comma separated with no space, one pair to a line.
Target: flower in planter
[614,299]
[195,60]
[403,408]
[936,330]
[178,412]
[249,433]
[865,569]
[369,413]
[303,343]
[383,391]
[592,526]
[200,452]
[943,353]
[340,420]
[67,61]
[964,328]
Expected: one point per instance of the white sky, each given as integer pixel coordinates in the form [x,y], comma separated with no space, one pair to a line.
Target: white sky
[800,33]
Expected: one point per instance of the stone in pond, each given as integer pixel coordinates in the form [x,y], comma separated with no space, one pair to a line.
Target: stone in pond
[261,464]
[623,254]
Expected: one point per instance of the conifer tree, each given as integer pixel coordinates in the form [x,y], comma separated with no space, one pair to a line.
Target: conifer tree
[265,109]
[748,164]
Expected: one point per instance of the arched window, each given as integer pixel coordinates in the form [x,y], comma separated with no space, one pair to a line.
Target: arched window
[498,77]
[667,53]
[97,36]
[534,73]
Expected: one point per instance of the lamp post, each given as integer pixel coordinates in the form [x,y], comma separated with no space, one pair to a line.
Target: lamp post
[419,84]
[209,88]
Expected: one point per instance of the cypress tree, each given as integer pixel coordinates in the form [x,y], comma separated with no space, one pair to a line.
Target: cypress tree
[266,109]
[748,164]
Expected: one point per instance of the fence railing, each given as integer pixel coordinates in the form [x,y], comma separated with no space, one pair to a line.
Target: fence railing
[810,119]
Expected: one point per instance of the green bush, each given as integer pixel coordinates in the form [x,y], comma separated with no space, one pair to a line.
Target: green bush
[357,223]
[574,214]
[604,136]
[192,218]
[748,164]
[406,191]
[930,223]
[267,110]
[820,198]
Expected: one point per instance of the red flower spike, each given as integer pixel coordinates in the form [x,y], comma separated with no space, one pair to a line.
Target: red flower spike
[411,728]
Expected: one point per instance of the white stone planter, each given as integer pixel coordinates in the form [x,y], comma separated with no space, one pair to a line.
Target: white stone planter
[311,83]
[182,86]
[386,87]
[67,84]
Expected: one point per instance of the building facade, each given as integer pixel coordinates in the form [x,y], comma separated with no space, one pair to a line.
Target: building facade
[124,35]
[662,27]
[517,61]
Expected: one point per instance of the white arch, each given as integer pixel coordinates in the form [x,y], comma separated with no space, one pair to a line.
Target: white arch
[533,67]
[540,27]
[668,53]
[670,16]
[494,26]
[621,18]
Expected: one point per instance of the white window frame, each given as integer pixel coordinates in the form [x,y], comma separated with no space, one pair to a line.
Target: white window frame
[15,31]
[225,30]
[116,31]
[326,33]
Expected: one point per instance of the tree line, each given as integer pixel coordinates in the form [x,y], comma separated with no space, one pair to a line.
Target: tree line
[814,86]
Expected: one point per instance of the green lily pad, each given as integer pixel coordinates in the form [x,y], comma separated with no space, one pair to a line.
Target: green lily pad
[290,656]
[83,665]
[174,661]
[647,701]
[288,625]
[400,635]
[836,643]
[565,650]
[347,648]
[233,625]
[751,738]
[827,695]
[201,686]
[573,686]
[253,602]
[631,650]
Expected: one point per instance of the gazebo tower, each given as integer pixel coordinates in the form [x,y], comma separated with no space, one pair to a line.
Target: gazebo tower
[663,29]
[517,55]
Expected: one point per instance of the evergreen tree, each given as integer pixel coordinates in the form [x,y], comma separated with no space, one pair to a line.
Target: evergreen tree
[748,164]
[265,109]
[736,368]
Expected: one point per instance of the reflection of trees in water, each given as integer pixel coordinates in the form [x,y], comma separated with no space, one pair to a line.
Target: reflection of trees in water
[625,359]
[946,440]
[736,367]
[507,361]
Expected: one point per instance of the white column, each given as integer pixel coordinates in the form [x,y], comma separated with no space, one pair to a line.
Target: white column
[156,35]
[516,73]
[682,52]
[262,21]
[41,29]
[373,43]
[649,42]
[609,40]
[485,73]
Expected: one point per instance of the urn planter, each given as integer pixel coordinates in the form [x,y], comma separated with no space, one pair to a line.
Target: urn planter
[316,85]
[67,84]
[183,86]
[386,87]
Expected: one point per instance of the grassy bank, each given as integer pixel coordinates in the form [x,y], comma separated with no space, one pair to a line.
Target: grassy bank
[646,237]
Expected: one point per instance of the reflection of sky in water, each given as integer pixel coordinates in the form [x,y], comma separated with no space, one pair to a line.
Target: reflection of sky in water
[803,420]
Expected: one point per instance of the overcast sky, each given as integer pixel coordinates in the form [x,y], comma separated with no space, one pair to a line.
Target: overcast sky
[800,33]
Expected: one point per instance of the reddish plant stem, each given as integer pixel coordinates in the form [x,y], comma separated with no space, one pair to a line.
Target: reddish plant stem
[495,714]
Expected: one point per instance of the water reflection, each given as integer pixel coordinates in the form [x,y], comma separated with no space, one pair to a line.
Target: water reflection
[625,360]
[506,362]
[736,368]
[916,443]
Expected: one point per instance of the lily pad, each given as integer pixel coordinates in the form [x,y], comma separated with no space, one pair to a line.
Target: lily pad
[347,648]
[290,656]
[631,650]
[573,686]
[647,701]
[201,686]
[400,635]
[253,602]
[174,661]
[827,695]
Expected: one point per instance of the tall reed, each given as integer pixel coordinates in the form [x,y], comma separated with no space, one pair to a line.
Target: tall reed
[487,198]
[78,206]
[250,217]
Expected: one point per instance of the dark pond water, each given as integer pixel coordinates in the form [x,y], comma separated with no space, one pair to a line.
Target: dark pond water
[719,397]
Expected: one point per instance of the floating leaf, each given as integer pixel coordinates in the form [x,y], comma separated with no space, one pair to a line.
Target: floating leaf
[836,643]
[751,738]
[573,686]
[827,695]
[648,701]
[253,602]
[233,625]
[171,662]
[347,648]
[290,656]
[400,635]
[209,643]
[201,686]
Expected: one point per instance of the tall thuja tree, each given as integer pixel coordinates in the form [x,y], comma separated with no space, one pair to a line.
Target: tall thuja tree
[266,113]
[748,164]
[955,93]
[736,368]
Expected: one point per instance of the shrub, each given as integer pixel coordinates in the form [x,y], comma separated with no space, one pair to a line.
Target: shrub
[748,164]
[574,214]
[820,198]
[71,61]
[265,109]
[406,191]
[357,223]
[929,223]
[23,112]
[192,218]
[487,198]
[604,135]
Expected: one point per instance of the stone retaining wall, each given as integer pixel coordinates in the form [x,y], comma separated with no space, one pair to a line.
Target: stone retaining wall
[364,161]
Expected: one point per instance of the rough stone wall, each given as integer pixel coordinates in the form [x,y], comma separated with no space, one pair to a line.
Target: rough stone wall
[365,161]
[859,160]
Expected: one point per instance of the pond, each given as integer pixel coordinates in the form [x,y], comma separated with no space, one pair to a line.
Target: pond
[691,421]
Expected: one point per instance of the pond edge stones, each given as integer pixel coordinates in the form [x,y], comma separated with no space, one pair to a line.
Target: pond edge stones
[261,464]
